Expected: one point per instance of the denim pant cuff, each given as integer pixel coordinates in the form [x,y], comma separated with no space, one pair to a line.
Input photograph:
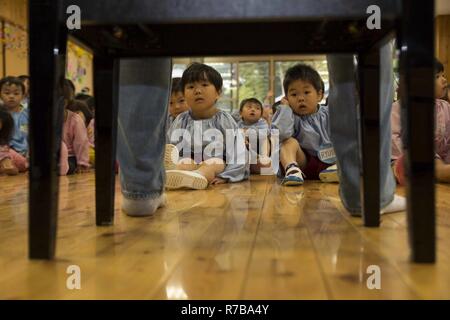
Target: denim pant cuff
[357,211]
[134,195]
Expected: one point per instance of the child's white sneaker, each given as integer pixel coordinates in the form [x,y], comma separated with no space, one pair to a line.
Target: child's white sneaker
[171,157]
[176,179]
[142,207]
[329,174]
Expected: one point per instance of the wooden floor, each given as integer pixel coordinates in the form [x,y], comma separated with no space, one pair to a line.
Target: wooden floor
[250,240]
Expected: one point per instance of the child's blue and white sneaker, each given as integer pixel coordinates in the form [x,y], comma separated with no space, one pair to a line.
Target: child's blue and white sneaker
[294,176]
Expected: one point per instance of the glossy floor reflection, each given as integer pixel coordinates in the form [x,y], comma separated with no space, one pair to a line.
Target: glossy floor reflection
[252,240]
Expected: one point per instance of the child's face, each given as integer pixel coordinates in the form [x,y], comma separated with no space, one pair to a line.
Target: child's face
[11,95]
[303,97]
[200,95]
[177,104]
[440,85]
[251,112]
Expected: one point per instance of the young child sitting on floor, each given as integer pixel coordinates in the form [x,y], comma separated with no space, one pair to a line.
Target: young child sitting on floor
[10,160]
[441,136]
[205,161]
[256,131]
[11,93]
[177,102]
[306,148]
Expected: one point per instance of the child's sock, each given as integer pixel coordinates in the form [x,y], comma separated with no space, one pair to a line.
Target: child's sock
[397,204]
[143,207]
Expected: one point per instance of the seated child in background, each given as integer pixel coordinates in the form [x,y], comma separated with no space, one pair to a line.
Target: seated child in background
[441,137]
[10,160]
[304,127]
[202,86]
[177,102]
[81,108]
[74,136]
[12,93]
[253,125]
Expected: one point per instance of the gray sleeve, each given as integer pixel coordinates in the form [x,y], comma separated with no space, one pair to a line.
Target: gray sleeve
[283,120]
[236,167]
[175,134]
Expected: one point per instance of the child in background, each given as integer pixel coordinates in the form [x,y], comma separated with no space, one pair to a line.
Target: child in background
[177,102]
[81,108]
[26,82]
[12,93]
[10,160]
[202,86]
[74,136]
[304,127]
[252,124]
[441,137]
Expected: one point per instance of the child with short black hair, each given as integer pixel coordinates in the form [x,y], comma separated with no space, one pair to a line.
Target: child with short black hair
[441,136]
[10,160]
[26,82]
[203,160]
[74,135]
[12,92]
[306,148]
[177,102]
[256,132]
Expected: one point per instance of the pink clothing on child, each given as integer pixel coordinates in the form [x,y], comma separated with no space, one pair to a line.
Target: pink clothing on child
[21,162]
[441,136]
[91,133]
[76,139]
[17,159]
[63,160]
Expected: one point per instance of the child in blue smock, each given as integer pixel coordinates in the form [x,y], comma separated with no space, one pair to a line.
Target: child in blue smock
[209,141]
[306,149]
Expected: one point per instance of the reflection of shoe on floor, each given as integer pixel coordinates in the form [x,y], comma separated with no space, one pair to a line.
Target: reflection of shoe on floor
[7,167]
[176,179]
[171,157]
[294,197]
[293,177]
[329,174]
[142,207]
[396,205]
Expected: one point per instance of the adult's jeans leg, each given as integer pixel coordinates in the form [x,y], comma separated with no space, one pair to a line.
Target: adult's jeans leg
[143,97]
[343,102]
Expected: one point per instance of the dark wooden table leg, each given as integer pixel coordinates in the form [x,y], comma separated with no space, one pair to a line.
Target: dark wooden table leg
[106,93]
[47,65]
[417,105]
[369,81]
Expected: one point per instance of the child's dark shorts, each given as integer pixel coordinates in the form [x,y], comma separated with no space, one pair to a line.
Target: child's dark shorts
[313,167]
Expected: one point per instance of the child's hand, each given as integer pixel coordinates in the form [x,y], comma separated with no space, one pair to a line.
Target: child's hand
[218,180]
[82,169]
[285,101]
